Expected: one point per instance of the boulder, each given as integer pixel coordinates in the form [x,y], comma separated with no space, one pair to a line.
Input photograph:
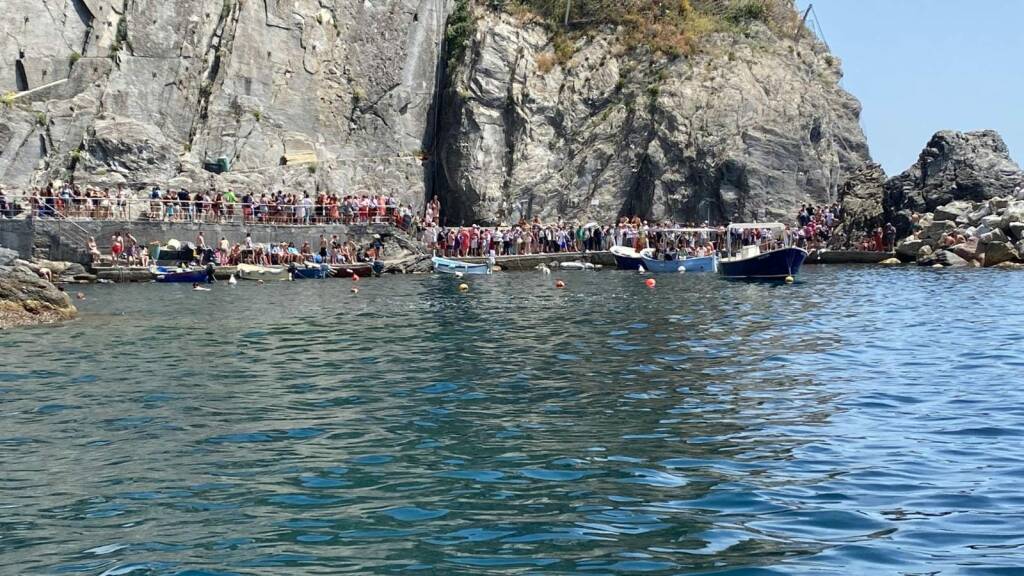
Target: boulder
[75,269]
[25,298]
[954,210]
[1016,230]
[993,221]
[924,252]
[968,250]
[995,236]
[997,204]
[943,258]
[937,228]
[1012,214]
[999,252]
[1010,266]
[974,217]
[908,248]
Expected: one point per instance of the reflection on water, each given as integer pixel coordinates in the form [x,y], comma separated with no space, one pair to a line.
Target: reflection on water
[861,421]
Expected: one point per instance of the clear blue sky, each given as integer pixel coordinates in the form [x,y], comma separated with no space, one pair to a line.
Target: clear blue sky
[920,66]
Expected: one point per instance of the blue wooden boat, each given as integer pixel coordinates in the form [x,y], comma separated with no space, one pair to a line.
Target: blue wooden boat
[310,271]
[676,265]
[189,275]
[751,263]
[446,266]
[626,258]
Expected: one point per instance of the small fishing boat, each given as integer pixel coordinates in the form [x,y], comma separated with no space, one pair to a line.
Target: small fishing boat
[310,271]
[265,273]
[676,264]
[753,263]
[626,258]
[189,275]
[446,266]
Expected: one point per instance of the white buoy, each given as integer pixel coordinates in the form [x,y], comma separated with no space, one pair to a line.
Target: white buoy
[458,274]
[641,269]
[544,269]
[231,280]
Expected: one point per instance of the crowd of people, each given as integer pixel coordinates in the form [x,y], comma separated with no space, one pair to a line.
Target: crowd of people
[212,206]
[536,237]
[127,250]
[279,208]
[816,226]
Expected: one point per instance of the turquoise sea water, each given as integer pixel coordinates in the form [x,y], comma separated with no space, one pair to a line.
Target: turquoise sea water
[862,421]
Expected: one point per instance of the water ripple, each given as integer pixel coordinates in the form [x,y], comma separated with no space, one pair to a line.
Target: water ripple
[860,421]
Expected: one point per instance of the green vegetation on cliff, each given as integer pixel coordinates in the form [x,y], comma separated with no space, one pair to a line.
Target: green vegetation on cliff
[673,27]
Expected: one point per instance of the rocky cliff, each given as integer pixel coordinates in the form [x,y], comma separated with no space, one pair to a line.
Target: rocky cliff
[965,166]
[148,90]
[752,124]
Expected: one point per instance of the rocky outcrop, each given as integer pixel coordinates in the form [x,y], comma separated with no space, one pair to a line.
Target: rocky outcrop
[154,88]
[752,125]
[954,166]
[988,233]
[27,299]
[860,197]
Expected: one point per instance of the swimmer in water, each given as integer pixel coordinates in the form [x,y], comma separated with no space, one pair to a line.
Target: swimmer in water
[198,288]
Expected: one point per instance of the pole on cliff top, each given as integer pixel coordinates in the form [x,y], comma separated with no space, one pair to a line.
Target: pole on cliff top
[803,21]
[568,6]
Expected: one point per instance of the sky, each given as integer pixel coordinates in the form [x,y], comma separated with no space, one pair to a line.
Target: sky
[920,66]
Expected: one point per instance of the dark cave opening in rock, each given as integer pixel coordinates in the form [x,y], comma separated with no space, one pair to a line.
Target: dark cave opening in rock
[20,78]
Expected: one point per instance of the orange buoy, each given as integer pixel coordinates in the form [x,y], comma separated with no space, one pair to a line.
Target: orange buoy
[355,277]
[559,284]
[650,282]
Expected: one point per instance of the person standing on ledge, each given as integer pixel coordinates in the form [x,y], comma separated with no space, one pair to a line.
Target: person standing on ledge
[889,237]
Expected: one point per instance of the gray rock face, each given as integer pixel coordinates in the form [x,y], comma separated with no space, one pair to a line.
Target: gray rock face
[953,166]
[156,87]
[7,256]
[753,125]
[861,199]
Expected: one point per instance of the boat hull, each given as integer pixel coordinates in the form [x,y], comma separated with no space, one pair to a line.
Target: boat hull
[250,272]
[702,264]
[772,265]
[182,276]
[310,272]
[446,266]
[626,258]
[348,270]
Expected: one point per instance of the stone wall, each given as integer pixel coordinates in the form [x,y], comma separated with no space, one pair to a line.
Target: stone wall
[17,235]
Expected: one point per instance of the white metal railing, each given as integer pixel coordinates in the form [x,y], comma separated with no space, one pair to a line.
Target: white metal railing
[166,210]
